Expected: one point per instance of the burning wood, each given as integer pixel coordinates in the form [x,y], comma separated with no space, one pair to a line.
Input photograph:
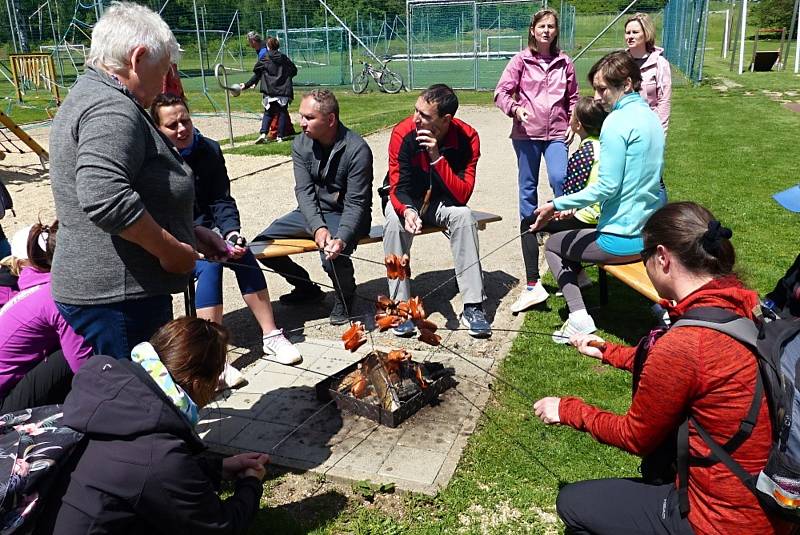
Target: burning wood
[387,387]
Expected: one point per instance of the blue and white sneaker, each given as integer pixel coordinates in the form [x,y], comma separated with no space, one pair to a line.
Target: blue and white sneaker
[475,320]
[407,329]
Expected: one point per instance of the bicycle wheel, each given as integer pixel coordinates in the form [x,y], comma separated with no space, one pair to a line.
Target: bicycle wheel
[390,82]
[360,82]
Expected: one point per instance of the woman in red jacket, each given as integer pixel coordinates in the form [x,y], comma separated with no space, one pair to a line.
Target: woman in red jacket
[689,370]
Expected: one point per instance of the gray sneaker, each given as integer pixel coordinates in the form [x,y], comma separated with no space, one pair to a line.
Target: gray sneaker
[406,329]
[475,320]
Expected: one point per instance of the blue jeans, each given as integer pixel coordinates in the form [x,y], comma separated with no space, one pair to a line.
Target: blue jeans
[115,329]
[529,156]
[209,279]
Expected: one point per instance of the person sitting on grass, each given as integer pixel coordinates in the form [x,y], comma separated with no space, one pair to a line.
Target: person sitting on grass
[582,169]
[33,371]
[143,468]
[217,209]
[689,370]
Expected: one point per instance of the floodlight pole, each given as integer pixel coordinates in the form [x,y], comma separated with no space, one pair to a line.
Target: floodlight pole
[285,27]
[199,46]
[703,46]
[726,34]
[741,37]
[797,44]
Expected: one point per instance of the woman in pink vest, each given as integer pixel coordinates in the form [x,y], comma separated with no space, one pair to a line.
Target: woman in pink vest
[538,90]
[640,38]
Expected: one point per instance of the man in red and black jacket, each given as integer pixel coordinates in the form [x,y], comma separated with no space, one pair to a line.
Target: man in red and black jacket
[432,162]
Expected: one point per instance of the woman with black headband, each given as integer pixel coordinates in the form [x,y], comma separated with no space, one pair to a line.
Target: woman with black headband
[689,370]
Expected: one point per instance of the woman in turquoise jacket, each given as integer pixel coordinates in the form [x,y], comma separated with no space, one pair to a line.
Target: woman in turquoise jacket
[631,160]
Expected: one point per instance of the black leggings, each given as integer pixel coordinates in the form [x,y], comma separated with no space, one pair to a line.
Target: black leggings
[530,244]
[47,383]
[621,507]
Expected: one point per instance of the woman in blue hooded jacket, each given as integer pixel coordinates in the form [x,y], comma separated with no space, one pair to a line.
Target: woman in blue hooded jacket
[628,188]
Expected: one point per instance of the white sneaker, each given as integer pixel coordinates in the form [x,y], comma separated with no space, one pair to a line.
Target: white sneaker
[575,324]
[261,139]
[530,295]
[283,351]
[279,139]
[583,282]
[230,378]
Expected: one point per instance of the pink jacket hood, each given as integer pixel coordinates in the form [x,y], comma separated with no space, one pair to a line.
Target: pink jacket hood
[549,93]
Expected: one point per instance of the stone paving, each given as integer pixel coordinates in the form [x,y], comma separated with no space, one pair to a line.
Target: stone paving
[419,455]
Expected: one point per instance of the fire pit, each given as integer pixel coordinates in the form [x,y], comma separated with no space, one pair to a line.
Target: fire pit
[387,388]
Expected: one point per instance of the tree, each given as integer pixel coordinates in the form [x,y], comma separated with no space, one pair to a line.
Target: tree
[774,13]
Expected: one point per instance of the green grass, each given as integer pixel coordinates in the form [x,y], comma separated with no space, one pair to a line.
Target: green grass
[728,151]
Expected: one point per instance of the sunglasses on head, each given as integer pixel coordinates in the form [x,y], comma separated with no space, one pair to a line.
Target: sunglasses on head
[647,252]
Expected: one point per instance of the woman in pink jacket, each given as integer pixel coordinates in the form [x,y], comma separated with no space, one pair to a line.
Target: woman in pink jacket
[640,38]
[32,371]
[538,89]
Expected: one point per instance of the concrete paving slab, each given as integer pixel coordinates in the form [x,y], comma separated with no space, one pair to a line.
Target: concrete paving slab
[419,455]
[413,464]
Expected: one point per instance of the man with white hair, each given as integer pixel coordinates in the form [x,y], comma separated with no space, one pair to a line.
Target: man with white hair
[123,194]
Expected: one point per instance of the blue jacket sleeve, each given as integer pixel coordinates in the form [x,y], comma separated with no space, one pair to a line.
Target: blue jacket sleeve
[613,148]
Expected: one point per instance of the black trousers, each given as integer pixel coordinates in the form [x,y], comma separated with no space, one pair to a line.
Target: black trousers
[294,225]
[530,243]
[621,507]
[47,383]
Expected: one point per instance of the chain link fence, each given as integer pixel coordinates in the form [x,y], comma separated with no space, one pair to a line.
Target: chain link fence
[465,43]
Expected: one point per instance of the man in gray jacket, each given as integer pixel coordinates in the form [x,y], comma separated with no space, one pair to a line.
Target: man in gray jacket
[333,176]
[124,197]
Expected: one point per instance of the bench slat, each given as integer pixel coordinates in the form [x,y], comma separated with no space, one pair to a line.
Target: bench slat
[290,246]
[635,276]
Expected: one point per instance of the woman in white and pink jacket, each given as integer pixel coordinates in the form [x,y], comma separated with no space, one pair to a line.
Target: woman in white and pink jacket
[539,89]
[640,37]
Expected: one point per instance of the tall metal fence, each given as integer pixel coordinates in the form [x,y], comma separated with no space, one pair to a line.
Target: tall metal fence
[684,35]
[465,43]
[468,43]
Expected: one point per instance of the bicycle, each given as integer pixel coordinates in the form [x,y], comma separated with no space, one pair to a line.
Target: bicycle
[387,80]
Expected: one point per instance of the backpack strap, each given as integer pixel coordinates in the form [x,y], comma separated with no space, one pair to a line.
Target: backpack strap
[746,332]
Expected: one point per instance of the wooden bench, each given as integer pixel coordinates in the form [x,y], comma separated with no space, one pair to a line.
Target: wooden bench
[289,246]
[634,275]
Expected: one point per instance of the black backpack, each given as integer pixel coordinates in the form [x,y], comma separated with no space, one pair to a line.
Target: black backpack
[5,201]
[776,345]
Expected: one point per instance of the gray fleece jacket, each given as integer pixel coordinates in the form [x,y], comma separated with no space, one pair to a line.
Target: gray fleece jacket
[109,163]
[343,185]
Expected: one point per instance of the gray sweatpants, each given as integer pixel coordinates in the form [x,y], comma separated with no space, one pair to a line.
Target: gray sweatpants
[463,231]
[566,250]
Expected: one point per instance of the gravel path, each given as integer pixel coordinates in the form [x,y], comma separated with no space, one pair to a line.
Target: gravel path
[263,188]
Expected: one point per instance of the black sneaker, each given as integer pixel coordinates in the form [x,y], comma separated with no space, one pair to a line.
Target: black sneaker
[303,296]
[475,320]
[339,314]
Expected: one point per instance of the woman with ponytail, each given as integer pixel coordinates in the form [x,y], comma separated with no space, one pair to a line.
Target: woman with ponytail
[32,370]
[689,370]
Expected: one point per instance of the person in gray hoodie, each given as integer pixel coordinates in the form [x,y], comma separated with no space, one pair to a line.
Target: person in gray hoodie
[123,194]
[333,186]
